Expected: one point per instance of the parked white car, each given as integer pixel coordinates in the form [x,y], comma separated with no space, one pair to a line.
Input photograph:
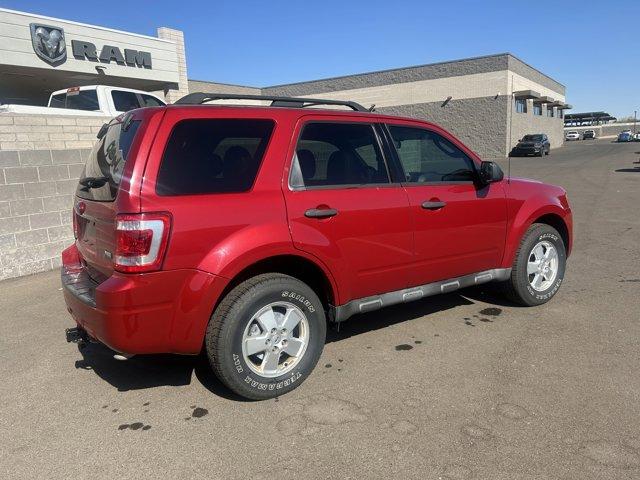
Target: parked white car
[572,135]
[92,100]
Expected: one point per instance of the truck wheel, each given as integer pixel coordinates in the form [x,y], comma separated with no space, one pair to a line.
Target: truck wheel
[266,336]
[538,269]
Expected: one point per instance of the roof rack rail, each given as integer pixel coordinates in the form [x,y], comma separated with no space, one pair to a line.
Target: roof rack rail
[198,98]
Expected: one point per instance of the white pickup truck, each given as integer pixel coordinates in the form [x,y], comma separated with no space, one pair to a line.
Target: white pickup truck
[90,100]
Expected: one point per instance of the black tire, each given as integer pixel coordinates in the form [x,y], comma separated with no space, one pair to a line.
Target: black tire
[518,287]
[230,319]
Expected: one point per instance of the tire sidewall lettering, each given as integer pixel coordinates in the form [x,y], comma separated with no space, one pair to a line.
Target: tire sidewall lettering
[300,299]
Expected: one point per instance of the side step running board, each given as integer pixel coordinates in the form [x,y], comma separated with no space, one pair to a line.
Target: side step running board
[376,302]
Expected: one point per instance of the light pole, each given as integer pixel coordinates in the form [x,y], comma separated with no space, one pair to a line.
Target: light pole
[635,113]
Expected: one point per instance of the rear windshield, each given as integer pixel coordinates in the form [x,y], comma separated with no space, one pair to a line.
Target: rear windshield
[102,173]
[213,156]
[78,100]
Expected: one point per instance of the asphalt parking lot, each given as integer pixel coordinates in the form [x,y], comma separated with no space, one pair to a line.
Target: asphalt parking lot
[459,386]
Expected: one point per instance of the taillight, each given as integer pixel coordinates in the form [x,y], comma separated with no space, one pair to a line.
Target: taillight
[78,210]
[75,224]
[141,241]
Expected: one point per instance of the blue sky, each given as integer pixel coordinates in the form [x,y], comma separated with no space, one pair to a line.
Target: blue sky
[592,47]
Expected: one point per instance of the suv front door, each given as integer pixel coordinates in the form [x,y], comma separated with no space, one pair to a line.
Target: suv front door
[460,227]
[344,209]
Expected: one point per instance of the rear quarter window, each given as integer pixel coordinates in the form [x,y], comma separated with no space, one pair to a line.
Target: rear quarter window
[76,100]
[102,174]
[205,156]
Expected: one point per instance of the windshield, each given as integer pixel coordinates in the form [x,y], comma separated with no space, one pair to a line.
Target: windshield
[532,138]
[102,173]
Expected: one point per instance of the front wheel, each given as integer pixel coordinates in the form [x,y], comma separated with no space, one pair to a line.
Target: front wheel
[539,266]
[266,336]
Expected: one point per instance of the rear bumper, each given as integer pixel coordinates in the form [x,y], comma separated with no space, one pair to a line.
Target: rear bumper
[158,312]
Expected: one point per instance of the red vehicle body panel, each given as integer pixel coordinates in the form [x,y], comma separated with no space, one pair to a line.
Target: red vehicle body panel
[381,240]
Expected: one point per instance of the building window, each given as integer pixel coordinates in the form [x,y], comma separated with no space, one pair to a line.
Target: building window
[549,111]
[537,109]
[521,105]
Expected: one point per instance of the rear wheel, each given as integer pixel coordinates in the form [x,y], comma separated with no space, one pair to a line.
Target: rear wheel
[266,336]
[539,266]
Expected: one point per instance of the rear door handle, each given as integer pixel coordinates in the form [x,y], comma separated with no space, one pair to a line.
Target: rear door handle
[320,213]
[433,205]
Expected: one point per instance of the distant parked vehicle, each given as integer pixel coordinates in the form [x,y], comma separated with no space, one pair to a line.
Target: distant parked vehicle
[90,100]
[572,135]
[537,144]
[636,137]
[589,134]
[625,136]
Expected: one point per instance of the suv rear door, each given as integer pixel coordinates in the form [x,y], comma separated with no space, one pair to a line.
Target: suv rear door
[343,207]
[460,227]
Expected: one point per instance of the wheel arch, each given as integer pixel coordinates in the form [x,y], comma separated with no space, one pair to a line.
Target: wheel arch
[297,266]
[552,215]
[557,222]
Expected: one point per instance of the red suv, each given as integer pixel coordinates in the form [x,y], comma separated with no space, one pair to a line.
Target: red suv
[243,230]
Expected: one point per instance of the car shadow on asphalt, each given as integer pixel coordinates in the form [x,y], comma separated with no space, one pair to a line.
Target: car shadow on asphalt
[629,170]
[151,371]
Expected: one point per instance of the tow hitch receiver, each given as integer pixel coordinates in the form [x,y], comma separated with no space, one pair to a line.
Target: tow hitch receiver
[76,335]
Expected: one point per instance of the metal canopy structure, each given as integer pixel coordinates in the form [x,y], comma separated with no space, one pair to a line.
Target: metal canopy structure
[526,94]
[587,118]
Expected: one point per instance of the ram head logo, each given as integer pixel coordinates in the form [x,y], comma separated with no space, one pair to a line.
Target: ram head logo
[49,43]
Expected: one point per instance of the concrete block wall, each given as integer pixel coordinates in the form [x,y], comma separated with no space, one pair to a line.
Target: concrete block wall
[610,130]
[41,159]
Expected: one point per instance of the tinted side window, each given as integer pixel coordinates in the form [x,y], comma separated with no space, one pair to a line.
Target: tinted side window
[428,157]
[57,101]
[338,154]
[124,101]
[102,173]
[213,156]
[149,101]
[77,100]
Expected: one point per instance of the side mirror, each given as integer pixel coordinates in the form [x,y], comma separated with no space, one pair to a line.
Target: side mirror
[490,172]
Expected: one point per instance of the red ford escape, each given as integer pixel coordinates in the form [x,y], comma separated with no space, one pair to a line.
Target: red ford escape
[243,230]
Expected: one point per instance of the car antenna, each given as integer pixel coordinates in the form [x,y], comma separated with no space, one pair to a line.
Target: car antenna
[511,102]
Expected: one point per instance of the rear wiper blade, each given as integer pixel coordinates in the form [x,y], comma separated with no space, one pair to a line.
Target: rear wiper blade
[93,182]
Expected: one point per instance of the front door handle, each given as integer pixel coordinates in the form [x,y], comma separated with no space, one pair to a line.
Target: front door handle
[435,205]
[320,213]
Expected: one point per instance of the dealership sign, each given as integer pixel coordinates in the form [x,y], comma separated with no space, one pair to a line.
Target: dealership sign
[49,43]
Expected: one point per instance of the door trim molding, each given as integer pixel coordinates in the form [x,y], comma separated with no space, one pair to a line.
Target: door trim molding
[375,302]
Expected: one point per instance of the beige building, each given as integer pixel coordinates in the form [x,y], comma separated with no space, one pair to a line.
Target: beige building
[39,55]
[488,102]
